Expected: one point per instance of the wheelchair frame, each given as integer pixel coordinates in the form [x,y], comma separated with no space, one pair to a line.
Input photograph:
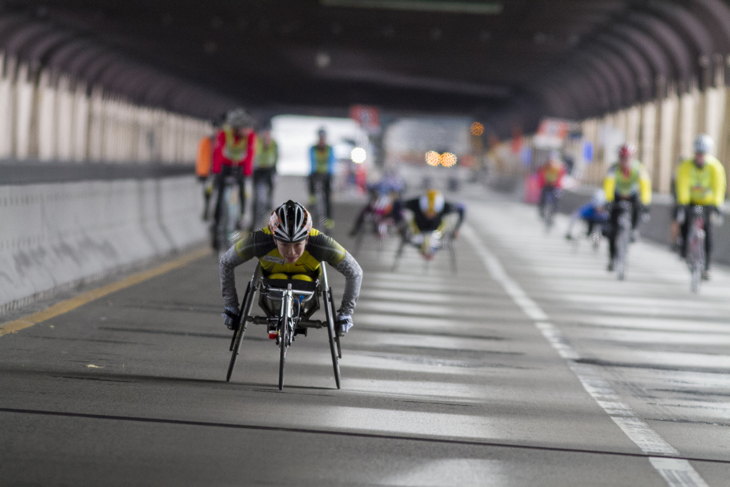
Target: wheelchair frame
[290,316]
[446,242]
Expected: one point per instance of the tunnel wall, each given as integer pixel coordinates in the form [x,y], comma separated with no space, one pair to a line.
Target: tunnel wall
[60,235]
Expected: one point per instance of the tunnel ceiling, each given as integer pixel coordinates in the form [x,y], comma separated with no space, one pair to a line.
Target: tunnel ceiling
[519,59]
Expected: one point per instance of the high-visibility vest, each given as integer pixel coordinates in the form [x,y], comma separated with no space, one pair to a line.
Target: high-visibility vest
[234,150]
[701,186]
[266,155]
[322,158]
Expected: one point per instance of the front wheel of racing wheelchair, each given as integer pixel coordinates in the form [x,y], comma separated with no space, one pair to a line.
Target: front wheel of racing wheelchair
[288,306]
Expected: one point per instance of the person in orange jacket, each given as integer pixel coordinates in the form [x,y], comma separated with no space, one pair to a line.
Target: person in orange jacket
[204,165]
[233,154]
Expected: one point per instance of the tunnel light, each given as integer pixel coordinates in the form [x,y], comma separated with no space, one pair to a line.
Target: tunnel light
[476,129]
[433,158]
[358,155]
[448,159]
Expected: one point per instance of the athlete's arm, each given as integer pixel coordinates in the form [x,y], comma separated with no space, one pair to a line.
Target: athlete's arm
[326,249]
[242,251]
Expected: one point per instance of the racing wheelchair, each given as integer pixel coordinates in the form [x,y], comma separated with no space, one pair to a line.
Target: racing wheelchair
[428,243]
[288,306]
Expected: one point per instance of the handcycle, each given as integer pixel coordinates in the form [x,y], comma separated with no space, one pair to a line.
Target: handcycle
[428,243]
[288,306]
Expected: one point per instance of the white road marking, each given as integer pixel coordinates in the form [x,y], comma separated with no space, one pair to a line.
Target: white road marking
[675,472]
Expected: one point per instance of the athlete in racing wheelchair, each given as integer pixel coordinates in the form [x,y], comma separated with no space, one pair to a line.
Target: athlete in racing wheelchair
[428,229]
[290,276]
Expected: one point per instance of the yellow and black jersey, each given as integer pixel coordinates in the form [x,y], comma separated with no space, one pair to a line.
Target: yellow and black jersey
[319,248]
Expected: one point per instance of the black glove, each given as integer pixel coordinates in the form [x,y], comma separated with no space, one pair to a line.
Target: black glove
[230,317]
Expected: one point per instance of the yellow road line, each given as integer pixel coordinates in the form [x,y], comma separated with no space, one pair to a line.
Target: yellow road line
[84,298]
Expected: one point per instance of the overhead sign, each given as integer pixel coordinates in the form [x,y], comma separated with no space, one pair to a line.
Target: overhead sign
[366,116]
[552,132]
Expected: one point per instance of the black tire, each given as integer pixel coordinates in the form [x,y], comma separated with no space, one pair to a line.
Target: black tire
[622,244]
[696,261]
[334,340]
[285,331]
[238,335]
[332,313]
[282,351]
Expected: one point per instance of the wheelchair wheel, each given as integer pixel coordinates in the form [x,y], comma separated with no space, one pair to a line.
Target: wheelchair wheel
[286,331]
[452,255]
[243,313]
[235,346]
[334,340]
[282,351]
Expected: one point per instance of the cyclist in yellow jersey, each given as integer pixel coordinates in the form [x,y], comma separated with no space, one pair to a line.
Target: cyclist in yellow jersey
[289,248]
[626,180]
[700,181]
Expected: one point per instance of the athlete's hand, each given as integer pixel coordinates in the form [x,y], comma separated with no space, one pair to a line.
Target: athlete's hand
[230,317]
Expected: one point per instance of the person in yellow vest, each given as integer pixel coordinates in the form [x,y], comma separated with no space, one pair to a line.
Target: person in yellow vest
[322,168]
[700,181]
[204,165]
[264,170]
[626,180]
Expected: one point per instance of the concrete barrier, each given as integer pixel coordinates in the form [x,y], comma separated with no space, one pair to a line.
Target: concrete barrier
[56,236]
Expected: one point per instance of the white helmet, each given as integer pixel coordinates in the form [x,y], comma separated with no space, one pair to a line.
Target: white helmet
[703,144]
[238,117]
[599,198]
[290,222]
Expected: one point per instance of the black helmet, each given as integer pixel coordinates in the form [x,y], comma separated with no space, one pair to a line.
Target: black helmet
[290,222]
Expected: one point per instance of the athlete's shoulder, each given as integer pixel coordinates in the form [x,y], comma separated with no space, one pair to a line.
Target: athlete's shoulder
[323,247]
[257,243]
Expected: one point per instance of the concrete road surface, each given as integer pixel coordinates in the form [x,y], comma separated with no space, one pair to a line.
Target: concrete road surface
[529,365]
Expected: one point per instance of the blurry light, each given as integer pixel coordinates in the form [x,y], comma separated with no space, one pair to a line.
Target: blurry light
[322,59]
[358,155]
[448,159]
[476,129]
[433,158]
